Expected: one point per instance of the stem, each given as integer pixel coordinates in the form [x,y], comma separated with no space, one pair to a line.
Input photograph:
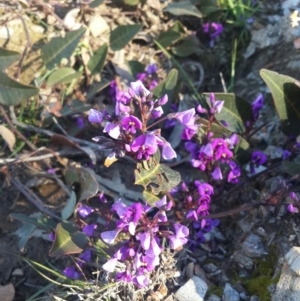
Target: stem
[156,122]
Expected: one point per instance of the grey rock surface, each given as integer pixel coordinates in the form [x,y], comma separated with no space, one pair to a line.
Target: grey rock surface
[288,287]
[242,260]
[230,294]
[253,246]
[194,290]
[213,297]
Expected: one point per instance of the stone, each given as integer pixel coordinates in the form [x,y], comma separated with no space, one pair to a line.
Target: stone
[98,26]
[253,246]
[210,268]
[254,298]
[230,294]
[288,287]
[189,272]
[194,290]
[213,297]
[242,260]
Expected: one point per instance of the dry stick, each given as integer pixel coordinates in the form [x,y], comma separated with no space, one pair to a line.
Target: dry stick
[59,182]
[33,198]
[20,135]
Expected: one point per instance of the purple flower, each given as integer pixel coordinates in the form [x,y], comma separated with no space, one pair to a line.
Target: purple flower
[292,209]
[89,229]
[215,105]
[112,129]
[51,171]
[150,69]
[214,29]
[120,208]
[110,265]
[154,249]
[131,123]
[234,175]
[258,158]
[145,145]
[204,188]
[137,89]
[157,112]
[109,236]
[86,256]
[257,105]
[123,97]
[163,100]
[217,174]
[186,118]
[80,122]
[285,154]
[52,236]
[124,276]
[140,280]
[95,116]
[189,132]
[179,239]
[84,211]
[71,272]
[167,152]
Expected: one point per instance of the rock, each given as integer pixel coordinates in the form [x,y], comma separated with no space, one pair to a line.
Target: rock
[194,290]
[98,26]
[200,273]
[261,231]
[230,294]
[253,246]
[288,287]
[213,297]
[189,272]
[242,260]
[254,298]
[210,268]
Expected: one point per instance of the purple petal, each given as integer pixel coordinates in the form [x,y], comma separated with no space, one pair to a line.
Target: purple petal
[109,236]
[89,229]
[110,265]
[112,129]
[71,272]
[139,89]
[217,174]
[95,116]
[145,239]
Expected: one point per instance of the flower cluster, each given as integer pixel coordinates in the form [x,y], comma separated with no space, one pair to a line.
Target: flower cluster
[149,78]
[140,251]
[214,30]
[130,133]
[211,155]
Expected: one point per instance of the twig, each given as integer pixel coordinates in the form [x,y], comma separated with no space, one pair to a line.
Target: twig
[33,198]
[20,135]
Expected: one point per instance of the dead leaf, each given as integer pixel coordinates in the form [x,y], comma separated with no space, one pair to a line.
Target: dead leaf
[154,4]
[8,136]
[7,292]
[70,19]
[98,26]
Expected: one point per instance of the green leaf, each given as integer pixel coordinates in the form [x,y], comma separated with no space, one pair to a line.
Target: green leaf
[135,67]
[168,84]
[183,8]
[41,222]
[70,206]
[187,46]
[167,38]
[236,111]
[61,47]
[178,27]
[62,76]
[131,2]
[96,3]
[68,240]
[84,176]
[150,197]
[286,94]
[121,35]
[7,57]
[292,168]
[209,6]
[75,106]
[13,92]
[97,61]
[97,87]
[24,234]
[156,178]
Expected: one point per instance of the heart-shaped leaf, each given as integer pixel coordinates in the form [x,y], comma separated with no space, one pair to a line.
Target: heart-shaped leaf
[70,206]
[183,8]
[84,176]
[13,92]
[41,222]
[62,76]
[286,95]
[7,57]
[135,67]
[167,38]
[68,240]
[61,47]
[121,35]
[97,61]
[187,46]
[236,111]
